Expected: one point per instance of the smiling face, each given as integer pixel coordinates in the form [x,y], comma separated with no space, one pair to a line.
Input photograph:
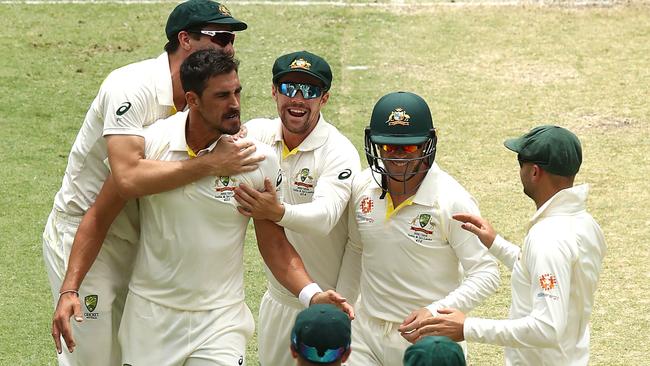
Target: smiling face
[218,105]
[407,164]
[299,115]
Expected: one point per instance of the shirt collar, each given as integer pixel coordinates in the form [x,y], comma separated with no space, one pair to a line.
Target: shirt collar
[178,141]
[314,140]
[565,202]
[163,81]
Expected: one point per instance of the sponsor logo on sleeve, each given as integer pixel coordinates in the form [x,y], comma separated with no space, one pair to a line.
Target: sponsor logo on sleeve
[124,107]
[345,174]
[548,282]
[364,213]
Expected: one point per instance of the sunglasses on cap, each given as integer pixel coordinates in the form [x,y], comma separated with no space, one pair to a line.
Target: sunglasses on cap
[406,148]
[311,353]
[222,38]
[308,91]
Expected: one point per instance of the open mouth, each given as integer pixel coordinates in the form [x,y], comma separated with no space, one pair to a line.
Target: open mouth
[296,112]
[231,115]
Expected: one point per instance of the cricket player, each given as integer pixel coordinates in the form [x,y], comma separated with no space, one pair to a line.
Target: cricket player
[186,302]
[434,351]
[130,98]
[318,164]
[415,258]
[554,274]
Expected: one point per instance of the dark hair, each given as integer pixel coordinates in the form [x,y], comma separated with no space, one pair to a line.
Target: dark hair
[200,66]
[173,44]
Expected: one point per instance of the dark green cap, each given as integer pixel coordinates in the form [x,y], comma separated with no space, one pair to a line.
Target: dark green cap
[400,118]
[321,333]
[306,62]
[555,149]
[195,13]
[434,351]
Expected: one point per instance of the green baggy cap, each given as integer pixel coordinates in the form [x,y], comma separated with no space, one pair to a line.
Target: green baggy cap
[194,13]
[400,118]
[321,333]
[305,62]
[434,351]
[555,149]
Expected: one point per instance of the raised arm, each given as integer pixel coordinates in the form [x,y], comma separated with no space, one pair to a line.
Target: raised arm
[85,248]
[136,176]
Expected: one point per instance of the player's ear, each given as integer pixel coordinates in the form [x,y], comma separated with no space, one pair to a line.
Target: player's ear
[324,98]
[184,40]
[346,355]
[274,92]
[294,353]
[192,99]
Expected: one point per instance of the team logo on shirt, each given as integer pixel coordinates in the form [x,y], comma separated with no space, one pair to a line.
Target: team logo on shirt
[398,117]
[124,107]
[365,208]
[303,182]
[547,282]
[91,304]
[224,188]
[422,228]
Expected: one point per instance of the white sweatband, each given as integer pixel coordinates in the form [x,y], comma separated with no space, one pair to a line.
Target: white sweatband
[308,292]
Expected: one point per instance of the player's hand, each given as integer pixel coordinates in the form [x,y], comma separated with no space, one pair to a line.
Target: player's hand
[259,205]
[448,323]
[67,307]
[478,226]
[410,327]
[334,298]
[232,157]
[243,131]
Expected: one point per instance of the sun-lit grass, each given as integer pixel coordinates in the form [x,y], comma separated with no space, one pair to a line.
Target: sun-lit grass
[488,73]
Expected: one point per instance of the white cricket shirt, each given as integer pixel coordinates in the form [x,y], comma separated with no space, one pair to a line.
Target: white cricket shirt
[417,255]
[130,98]
[192,238]
[316,180]
[553,283]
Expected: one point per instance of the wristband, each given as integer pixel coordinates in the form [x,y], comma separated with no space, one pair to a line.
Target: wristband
[68,291]
[308,292]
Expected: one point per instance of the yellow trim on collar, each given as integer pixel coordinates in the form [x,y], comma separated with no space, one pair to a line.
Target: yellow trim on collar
[285,151]
[173,110]
[190,152]
[390,210]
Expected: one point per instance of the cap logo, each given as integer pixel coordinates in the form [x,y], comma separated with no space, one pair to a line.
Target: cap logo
[223,10]
[398,117]
[300,63]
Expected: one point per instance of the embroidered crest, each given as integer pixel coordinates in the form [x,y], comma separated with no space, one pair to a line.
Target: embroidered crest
[300,63]
[223,10]
[547,281]
[398,117]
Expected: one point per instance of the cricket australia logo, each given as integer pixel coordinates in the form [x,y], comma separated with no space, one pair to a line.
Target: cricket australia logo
[223,10]
[91,304]
[300,63]
[365,208]
[224,188]
[398,117]
[422,228]
[303,182]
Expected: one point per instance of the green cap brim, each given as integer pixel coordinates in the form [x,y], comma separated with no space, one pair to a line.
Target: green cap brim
[515,144]
[237,25]
[281,74]
[398,140]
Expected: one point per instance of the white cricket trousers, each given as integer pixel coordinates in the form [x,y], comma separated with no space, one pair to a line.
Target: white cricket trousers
[156,335]
[102,293]
[276,318]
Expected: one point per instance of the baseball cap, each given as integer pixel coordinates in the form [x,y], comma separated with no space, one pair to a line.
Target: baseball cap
[321,333]
[434,351]
[400,118]
[555,149]
[306,62]
[194,13]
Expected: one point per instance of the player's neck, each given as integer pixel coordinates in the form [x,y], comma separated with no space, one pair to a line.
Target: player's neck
[175,61]
[197,134]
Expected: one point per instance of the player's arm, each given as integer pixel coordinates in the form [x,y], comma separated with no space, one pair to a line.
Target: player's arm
[287,267]
[136,176]
[549,262]
[85,248]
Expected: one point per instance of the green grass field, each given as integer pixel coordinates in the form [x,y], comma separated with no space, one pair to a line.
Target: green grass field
[488,73]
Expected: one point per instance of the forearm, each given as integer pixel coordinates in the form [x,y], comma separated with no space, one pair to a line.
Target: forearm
[523,332]
[350,273]
[505,251]
[280,256]
[301,218]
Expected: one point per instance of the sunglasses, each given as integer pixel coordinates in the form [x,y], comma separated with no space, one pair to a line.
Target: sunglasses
[406,148]
[311,353]
[222,38]
[308,91]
